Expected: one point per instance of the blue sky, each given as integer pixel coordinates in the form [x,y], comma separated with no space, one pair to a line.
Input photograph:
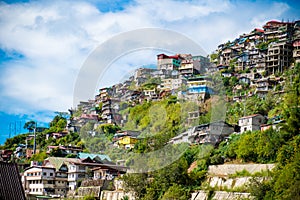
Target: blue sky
[43,44]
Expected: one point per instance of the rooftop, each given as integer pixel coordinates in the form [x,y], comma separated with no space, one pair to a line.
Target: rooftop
[10,182]
[92,156]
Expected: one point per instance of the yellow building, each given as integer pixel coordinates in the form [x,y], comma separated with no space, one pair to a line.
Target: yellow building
[127,142]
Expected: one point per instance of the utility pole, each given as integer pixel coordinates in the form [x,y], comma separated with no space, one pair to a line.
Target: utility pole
[34,144]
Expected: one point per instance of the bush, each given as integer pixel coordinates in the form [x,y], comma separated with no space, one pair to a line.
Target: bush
[89,197]
[216,159]
[176,192]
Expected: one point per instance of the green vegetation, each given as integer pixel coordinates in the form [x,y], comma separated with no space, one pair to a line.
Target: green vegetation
[214,57]
[158,121]
[173,181]
[280,146]
[58,124]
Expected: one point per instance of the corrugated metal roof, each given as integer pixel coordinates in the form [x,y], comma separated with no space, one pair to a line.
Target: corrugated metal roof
[57,162]
[92,156]
[10,182]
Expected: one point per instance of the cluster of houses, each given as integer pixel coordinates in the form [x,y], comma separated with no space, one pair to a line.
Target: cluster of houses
[58,176]
[216,132]
[256,58]
[270,49]
[259,56]
[179,75]
[62,176]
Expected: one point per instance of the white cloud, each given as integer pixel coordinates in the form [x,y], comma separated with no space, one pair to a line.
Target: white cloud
[57,36]
[275,11]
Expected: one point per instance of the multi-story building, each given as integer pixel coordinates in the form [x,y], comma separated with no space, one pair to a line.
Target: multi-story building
[204,63]
[257,59]
[211,133]
[169,63]
[191,65]
[199,87]
[76,172]
[109,105]
[173,83]
[278,57]
[296,42]
[263,50]
[70,171]
[242,61]
[227,54]
[264,85]
[278,31]
[39,180]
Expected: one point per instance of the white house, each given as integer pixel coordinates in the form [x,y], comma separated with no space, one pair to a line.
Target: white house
[251,122]
[39,180]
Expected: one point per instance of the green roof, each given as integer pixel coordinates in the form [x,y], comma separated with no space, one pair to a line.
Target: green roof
[92,156]
[58,161]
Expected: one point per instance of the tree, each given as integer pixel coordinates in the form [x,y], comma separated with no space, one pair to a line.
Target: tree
[291,102]
[30,126]
[176,192]
[40,157]
[57,152]
[136,183]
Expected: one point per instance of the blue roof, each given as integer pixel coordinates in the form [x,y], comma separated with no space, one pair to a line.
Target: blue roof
[92,156]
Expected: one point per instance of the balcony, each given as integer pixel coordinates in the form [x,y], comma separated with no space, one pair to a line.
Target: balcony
[33,178]
[48,186]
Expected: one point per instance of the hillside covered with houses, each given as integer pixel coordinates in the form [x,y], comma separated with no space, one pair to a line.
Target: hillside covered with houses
[237,106]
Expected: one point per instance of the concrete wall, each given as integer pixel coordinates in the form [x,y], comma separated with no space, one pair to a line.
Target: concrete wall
[229,183]
[219,195]
[84,191]
[115,195]
[227,169]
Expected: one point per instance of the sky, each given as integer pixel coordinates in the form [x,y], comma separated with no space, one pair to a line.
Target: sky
[44,44]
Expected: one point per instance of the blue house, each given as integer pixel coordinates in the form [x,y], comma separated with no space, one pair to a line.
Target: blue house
[199,85]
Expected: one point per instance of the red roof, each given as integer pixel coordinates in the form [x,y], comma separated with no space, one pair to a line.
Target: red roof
[273,22]
[259,30]
[163,56]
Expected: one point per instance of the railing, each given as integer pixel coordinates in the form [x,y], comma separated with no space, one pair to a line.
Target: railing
[62,176]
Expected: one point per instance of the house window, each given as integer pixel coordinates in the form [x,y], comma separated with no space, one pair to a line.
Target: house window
[51,174]
[44,173]
[245,129]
